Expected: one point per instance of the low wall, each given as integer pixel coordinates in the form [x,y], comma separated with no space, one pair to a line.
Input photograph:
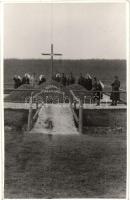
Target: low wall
[104,117]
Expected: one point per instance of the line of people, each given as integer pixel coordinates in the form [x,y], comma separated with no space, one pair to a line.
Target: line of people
[28,79]
[63,79]
[18,81]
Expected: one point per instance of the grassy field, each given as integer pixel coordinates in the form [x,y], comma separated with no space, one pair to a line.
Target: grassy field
[92,165]
[15,119]
[103,69]
[85,166]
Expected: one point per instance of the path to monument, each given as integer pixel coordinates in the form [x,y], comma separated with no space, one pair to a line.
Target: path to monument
[55,119]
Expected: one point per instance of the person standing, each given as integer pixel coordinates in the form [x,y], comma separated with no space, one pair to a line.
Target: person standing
[33,79]
[115,95]
[81,80]
[97,88]
[19,81]
[26,79]
[42,79]
[58,77]
[88,82]
[15,78]
[63,79]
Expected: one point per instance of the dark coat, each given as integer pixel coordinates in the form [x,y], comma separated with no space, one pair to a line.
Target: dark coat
[97,88]
[63,80]
[115,95]
[81,81]
[88,83]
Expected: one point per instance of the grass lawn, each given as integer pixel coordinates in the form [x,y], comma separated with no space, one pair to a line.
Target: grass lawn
[15,119]
[85,166]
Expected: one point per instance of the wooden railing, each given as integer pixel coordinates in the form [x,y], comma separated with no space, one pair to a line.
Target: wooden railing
[32,117]
[78,119]
[74,100]
[90,94]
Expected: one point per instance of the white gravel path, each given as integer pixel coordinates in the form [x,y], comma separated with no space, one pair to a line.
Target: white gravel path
[55,119]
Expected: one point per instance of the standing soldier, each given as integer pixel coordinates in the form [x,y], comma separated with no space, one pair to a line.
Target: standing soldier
[115,95]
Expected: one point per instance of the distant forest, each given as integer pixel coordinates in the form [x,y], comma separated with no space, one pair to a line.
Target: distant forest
[101,68]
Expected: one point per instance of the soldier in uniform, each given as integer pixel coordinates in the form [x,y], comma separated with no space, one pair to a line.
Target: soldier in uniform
[115,95]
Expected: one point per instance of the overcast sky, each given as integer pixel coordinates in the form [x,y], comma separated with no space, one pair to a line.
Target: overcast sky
[78,30]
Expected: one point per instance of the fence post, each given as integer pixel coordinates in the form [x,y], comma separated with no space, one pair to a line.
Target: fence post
[30,113]
[74,105]
[36,104]
[80,116]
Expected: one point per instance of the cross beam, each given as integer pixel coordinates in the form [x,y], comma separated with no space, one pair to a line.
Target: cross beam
[52,54]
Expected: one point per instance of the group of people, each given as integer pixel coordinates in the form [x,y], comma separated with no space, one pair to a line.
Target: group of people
[94,85]
[63,79]
[97,87]
[85,81]
[18,81]
[28,79]
[91,84]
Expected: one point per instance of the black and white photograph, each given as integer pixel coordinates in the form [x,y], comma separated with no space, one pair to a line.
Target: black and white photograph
[65,100]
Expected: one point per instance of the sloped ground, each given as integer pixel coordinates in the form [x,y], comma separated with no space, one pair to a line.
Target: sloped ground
[20,96]
[60,166]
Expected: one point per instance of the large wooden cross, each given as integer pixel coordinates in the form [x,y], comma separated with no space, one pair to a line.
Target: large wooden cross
[52,54]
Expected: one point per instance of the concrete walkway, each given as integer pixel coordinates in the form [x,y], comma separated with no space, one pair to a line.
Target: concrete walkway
[55,119]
